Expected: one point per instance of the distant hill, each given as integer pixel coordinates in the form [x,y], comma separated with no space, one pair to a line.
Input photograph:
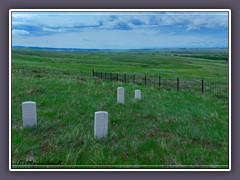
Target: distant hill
[101,50]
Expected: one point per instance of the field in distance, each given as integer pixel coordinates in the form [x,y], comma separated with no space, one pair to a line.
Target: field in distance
[164,63]
[166,129]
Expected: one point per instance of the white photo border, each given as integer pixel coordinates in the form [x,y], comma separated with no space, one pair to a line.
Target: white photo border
[132,167]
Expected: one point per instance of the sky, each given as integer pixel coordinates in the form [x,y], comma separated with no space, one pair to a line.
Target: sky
[120,30]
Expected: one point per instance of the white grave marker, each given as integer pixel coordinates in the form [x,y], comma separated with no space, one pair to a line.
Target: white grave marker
[120,95]
[137,94]
[29,114]
[100,124]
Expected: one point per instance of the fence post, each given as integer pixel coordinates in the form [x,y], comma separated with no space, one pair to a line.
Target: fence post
[93,72]
[117,76]
[202,86]
[134,78]
[145,79]
[177,84]
[125,78]
[159,81]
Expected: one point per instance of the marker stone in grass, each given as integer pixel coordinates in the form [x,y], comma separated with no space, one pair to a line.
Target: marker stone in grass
[29,114]
[100,124]
[120,95]
[137,94]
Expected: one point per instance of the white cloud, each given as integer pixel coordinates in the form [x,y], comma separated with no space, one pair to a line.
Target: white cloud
[210,22]
[120,39]
[98,30]
[22,15]
[55,21]
[53,30]
[19,32]
[191,21]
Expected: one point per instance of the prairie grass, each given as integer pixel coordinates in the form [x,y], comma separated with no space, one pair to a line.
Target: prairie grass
[165,129]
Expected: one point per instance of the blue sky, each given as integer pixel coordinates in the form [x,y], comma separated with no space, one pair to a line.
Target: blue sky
[120,30]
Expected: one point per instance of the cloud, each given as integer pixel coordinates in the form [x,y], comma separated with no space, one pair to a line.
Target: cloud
[212,22]
[22,15]
[120,29]
[74,21]
[122,26]
[192,20]
[53,30]
[19,32]
[119,39]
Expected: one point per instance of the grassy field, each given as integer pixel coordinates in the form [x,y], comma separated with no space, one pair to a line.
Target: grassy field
[166,129]
[152,63]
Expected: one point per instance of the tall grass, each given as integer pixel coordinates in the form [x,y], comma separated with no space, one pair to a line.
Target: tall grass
[165,129]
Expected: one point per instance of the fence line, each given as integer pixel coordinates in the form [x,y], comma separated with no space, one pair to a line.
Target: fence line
[202,86]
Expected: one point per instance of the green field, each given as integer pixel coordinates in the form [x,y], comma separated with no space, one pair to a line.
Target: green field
[152,63]
[166,129]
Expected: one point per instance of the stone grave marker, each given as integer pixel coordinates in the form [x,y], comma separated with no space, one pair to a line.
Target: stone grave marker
[120,95]
[100,124]
[137,94]
[29,114]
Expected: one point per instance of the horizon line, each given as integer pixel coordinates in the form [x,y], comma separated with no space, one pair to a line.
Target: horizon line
[157,48]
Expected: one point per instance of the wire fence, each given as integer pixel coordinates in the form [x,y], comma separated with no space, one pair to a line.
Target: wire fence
[201,86]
